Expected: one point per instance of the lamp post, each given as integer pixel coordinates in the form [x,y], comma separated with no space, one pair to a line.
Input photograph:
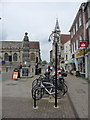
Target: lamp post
[56,36]
[10,57]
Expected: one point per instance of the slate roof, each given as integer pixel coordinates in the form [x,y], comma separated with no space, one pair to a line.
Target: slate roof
[34,45]
[18,44]
[65,38]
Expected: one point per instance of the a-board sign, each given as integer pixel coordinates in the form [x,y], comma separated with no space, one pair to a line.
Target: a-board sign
[15,75]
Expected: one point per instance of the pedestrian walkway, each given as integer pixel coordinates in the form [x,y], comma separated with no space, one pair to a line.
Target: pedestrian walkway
[78,92]
[18,102]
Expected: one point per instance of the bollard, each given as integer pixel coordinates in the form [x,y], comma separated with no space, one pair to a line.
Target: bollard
[35,100]
[35,106]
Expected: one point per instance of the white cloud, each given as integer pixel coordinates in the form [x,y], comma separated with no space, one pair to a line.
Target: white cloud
[38,19]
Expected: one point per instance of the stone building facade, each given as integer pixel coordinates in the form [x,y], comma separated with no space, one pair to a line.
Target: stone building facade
[16,53]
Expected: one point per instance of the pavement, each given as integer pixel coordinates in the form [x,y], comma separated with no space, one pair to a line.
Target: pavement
[18,102]
[78,92]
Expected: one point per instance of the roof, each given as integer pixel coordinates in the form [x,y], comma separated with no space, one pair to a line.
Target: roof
[11,44]
[34,45]
[65,38]
[18,44]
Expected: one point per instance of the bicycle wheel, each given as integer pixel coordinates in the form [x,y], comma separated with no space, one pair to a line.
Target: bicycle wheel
[65,88]
[34,82]
[37,93]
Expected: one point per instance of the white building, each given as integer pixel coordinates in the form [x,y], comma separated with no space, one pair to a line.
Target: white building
[67,56]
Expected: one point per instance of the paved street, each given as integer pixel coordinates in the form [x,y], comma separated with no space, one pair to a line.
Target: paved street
[18,103]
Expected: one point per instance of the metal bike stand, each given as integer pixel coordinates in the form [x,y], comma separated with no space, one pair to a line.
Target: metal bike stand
[35,105]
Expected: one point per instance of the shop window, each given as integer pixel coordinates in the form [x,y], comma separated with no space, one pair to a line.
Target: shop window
[6,57]
[15,57]
[32,57]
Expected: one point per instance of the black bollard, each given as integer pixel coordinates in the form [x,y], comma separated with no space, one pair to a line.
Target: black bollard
[35,100]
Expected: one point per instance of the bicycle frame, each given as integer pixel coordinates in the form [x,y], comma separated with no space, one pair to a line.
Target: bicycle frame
[50,92]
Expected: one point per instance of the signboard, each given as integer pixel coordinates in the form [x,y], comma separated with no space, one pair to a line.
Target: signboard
[3,62]
[80,53]
[15,75]
[83,44]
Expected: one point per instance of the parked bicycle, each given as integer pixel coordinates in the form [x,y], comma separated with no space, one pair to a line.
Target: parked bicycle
[46,85]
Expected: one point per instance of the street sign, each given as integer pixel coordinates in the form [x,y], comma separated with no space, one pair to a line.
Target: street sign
[83,44]
[3,62]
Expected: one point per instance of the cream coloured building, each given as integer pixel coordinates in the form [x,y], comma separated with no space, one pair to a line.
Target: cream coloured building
[16,53]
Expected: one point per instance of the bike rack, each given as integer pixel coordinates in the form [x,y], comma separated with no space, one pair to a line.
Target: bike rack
[35,105]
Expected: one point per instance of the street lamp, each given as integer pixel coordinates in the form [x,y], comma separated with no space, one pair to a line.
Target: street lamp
[56,37]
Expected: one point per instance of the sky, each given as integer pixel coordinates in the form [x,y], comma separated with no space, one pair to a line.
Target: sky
[36,18]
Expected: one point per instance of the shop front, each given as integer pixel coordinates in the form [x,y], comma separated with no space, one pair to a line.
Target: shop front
[72,64]
[80,62]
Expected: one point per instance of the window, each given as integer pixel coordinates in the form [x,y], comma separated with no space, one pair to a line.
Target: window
[15,57]
[80,20]
[89,12]
[74,31]
[66,57]
[89,34]
[80,38]
[72,48]
[76,44]
[32,57]
[6,57]
[71,34]
[76,26]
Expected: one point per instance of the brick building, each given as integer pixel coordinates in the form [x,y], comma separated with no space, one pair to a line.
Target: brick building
[78,33]
[87,51]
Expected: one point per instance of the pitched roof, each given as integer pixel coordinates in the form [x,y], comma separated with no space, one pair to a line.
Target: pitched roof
[34,45]
[18,44]
[65,38]
[12,44]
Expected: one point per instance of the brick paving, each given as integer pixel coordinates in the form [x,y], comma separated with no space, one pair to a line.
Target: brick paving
[18,103]
[78,91]
[23,108]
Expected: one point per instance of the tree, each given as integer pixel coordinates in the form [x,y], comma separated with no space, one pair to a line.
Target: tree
[44,62]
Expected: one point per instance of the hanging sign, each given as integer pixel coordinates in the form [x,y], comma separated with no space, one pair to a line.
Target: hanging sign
[83,44]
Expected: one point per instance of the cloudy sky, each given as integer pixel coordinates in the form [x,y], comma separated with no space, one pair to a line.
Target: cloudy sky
[36,18]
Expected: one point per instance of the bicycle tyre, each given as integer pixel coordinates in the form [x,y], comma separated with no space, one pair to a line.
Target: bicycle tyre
[38,92]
